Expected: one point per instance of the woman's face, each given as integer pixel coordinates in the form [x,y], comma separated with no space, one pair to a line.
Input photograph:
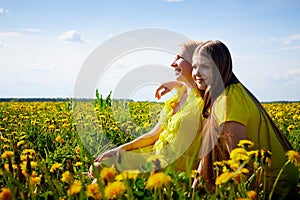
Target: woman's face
[202,71]
[182,67]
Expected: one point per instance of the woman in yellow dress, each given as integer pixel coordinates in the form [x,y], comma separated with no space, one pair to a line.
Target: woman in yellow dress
[176,136]
[232,113]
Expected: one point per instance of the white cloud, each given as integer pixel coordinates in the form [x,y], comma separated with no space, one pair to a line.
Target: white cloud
[33,30]
[291,38]
[71,36]
[2,10]
[289,75]
[283,41]
[293,73]
[287,48]
[2,45]
[10,34]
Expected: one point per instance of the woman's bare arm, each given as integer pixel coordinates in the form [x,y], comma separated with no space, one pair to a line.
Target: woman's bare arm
[144,140]
[233,132]
[167,87]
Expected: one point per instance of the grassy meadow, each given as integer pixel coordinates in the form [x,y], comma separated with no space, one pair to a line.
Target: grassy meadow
[43,154]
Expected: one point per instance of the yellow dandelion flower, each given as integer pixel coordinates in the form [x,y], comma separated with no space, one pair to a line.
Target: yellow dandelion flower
[245,171]
[108,173]
[51,127]
[253,154]
[194,173]
[133,174]
[23,158]
[293,157]
[7,154]
[77,157]
[29,151]
[265,153]
[252,195]
[239,154]
[78,164]
[77,150]
[55,167]
[75,188]
[157,180]
[218,163]
[295,117]
[59,139]
[33,164]
[20,143]
[6,194]
[264,157]
[6,167]
[223,178]
[35,180]
[245,144]
[5,146]
[66,176]
[93,191]
[114,190]
[279,115]
[33,174]
[232,164]
[25,173]
[65,125]
[5,139]
[290,128]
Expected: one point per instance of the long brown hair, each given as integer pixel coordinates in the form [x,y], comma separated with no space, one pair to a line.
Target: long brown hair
[223,77]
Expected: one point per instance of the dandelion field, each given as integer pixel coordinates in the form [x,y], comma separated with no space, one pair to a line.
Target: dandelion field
[43,157]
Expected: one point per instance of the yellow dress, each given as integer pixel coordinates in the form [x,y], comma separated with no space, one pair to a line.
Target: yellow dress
[180,140]
[178,143]
[236,105]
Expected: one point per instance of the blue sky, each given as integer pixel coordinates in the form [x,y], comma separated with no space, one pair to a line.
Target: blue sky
[43,44]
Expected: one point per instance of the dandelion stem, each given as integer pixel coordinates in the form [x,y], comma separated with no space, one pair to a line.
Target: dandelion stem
[277,178]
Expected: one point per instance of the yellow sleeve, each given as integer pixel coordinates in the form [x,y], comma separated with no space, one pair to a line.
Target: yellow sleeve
[167,111]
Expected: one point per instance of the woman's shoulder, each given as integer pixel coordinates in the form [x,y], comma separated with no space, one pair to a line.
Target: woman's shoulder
[236,89]
[234,104]
[237,94]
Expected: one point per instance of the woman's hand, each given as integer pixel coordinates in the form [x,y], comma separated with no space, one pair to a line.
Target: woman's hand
[107,154]
[166,87]
[90,173]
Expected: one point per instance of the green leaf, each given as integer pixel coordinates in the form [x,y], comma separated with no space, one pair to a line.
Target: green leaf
[140,183]
[138,193]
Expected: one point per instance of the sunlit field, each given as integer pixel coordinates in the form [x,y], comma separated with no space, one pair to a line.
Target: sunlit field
[43,155]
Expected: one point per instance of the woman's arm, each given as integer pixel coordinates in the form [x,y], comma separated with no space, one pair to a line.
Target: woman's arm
[233,132]
[144,140]
[167,87]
